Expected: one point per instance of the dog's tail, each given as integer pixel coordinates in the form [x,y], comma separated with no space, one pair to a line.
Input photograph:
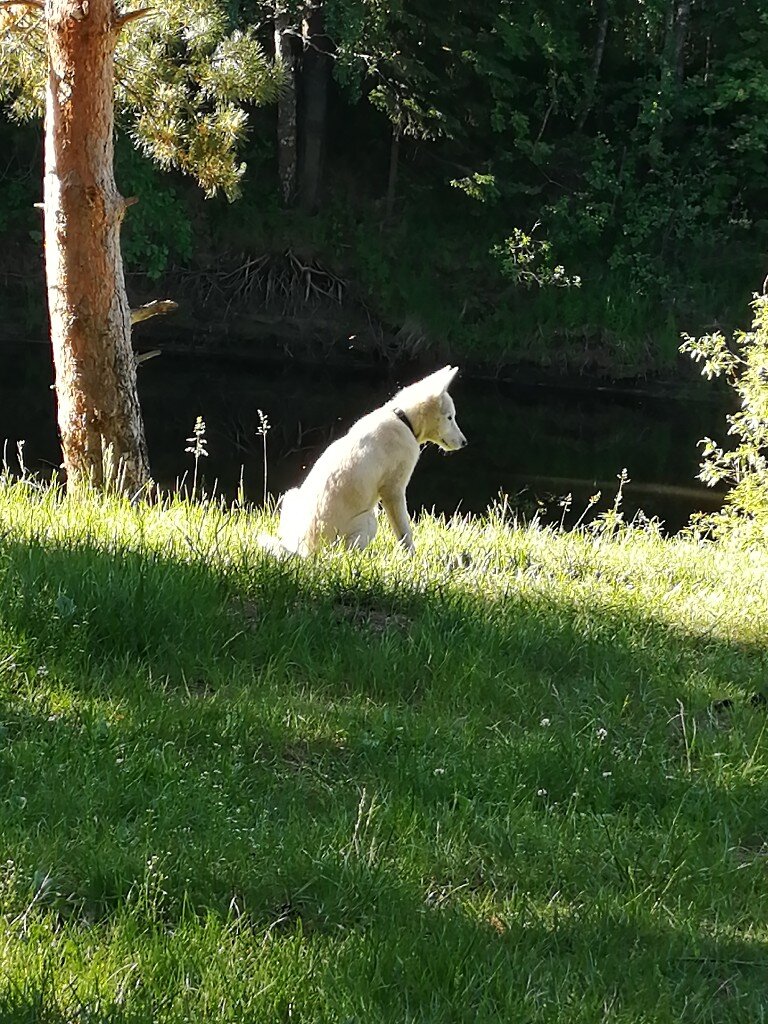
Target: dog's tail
[288,541]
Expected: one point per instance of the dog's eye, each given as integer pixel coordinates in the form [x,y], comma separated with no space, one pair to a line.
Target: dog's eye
[451,416]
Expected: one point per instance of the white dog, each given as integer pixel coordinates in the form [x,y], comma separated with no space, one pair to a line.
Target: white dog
[371,463]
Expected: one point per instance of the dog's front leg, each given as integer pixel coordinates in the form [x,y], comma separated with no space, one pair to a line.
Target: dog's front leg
[397,513]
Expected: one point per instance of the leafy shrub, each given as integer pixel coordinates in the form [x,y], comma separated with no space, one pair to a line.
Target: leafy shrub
[744,365]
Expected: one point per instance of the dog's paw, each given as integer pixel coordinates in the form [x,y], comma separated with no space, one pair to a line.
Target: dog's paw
[272,545]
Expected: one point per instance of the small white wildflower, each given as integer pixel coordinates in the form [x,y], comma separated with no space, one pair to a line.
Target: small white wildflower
[607,775]
[718,753]
[197,443]
[545,722]
[541,792]
[601,733]
[439,771]
[264,424]
[42,670]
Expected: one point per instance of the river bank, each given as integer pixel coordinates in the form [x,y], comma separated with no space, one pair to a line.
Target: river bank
[277,310]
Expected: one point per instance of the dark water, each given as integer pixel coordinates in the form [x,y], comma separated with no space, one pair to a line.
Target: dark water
[531,443]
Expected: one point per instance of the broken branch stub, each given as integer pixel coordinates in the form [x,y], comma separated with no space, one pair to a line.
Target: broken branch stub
[149,309]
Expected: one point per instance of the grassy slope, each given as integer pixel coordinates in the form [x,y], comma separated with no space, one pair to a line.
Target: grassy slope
[374,789]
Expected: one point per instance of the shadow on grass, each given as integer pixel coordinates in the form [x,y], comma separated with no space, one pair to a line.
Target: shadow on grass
[512,783]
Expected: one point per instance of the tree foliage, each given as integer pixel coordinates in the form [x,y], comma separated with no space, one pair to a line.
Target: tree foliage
[633,135]
[636,127]
[184,77]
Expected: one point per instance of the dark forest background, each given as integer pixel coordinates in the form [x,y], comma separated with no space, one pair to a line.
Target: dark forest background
[551,184]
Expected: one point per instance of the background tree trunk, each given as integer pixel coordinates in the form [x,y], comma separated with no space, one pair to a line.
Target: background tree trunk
[681,32]
[286,107]
[597,60]
[315,72]
[394,163]
[98,408]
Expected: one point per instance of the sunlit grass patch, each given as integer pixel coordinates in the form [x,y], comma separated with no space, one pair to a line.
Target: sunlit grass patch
[521,776]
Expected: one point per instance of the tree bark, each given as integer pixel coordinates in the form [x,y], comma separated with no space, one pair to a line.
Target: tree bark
[315,72]
[286,108]
[102,433]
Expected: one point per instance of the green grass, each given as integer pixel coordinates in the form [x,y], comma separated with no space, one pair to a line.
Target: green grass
[369,788]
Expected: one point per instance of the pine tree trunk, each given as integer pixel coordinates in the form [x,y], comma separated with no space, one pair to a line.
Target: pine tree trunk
[102,434]
[315,72]
[286,108]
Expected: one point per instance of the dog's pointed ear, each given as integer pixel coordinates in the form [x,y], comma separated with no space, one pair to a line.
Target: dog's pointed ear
[441,380]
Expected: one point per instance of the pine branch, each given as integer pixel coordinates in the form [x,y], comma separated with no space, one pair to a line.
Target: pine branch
[142,12]
[23,3]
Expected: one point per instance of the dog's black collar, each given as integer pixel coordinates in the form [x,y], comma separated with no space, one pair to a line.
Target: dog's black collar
[404,419]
